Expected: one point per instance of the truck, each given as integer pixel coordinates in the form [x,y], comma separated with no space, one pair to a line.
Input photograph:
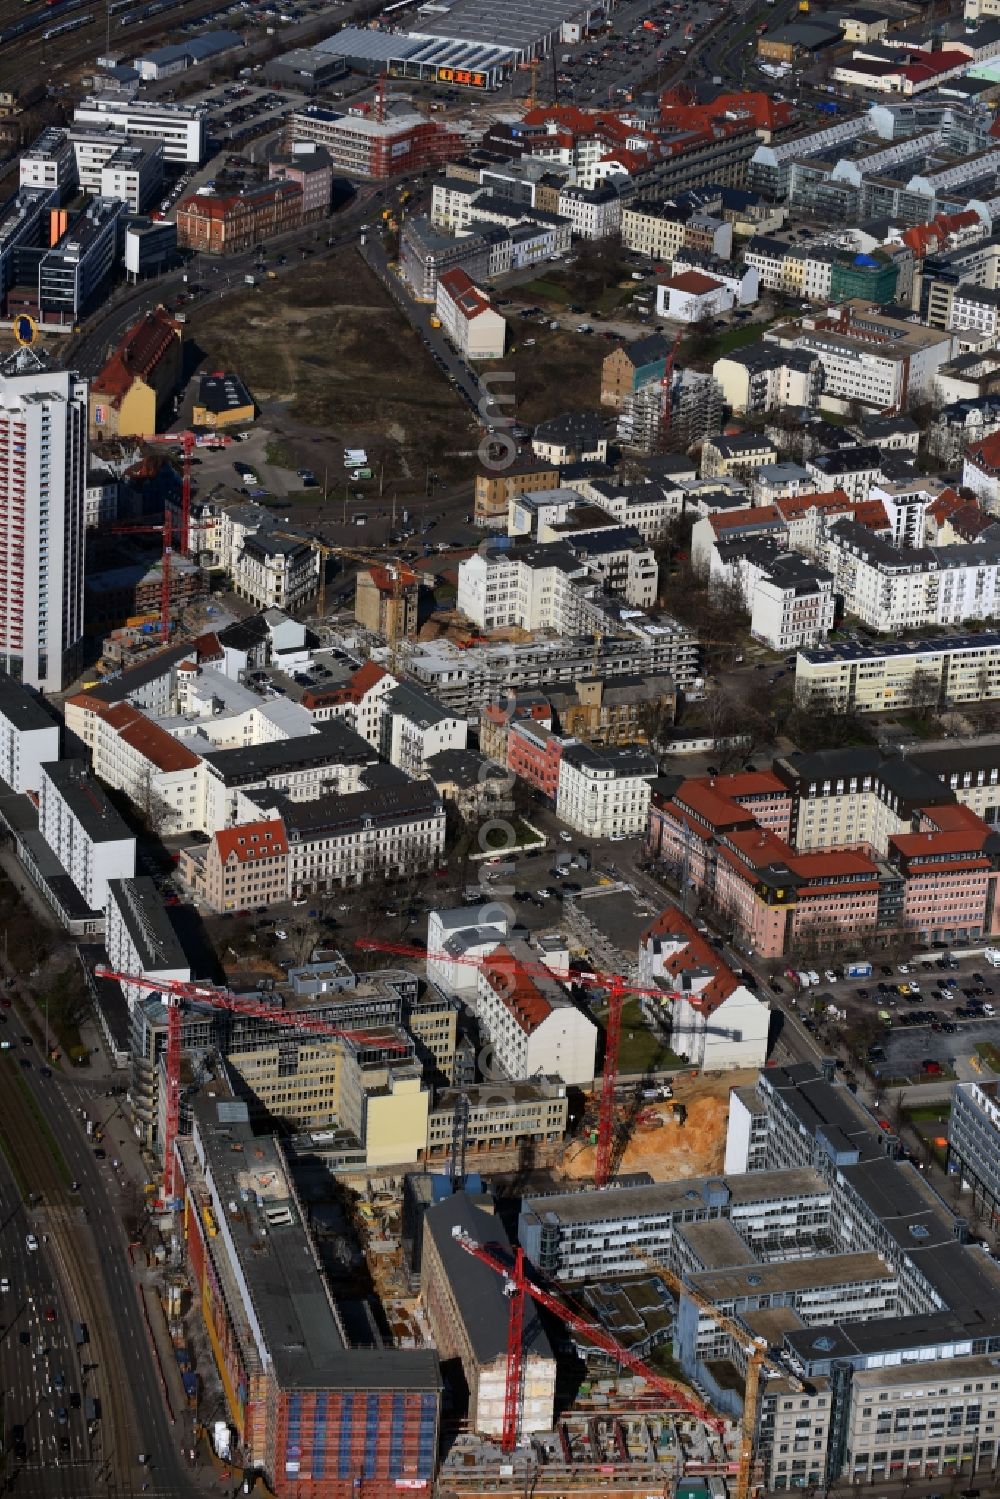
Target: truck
[434,320]
[361,473]
[858,971]
[249,280]
[992,956]
[80,1333]
[92,1408]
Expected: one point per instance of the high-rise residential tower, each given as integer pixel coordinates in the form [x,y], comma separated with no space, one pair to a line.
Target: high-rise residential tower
[43,469]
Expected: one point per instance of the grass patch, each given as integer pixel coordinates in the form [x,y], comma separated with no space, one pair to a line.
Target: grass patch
[709,350]
[497,838]
[989,1053]
[43,1127]
[278,454]
[639,1049]
[545,290]
[929,1113]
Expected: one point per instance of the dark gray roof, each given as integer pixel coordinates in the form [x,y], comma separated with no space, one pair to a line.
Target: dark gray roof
[572,425]
[147,923]
[88,803]
[22,708]
[222,393]
[477,1290]
[333,744]
[416,705]
[337,815]
[647,350]
[465,767]
[119,689]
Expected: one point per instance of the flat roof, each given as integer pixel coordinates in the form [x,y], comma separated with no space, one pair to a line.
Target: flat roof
[647,1200]
[333,743]
[148,925]
[87,801]
[297,1318]
[734,1282]
[22,708]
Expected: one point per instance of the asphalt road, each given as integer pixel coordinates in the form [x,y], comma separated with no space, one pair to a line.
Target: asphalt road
[94,1230]
[34,1351]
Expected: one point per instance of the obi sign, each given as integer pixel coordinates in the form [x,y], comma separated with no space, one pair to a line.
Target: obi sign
[462,76]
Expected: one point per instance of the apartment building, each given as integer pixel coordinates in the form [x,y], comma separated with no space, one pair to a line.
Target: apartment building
[868,356]
[792,603]
[893,589]
[29,736]
[415,727]
[603,792]
[467,1311]
[464,680]
[631,366]
[736,455]
[386,600]
[495,490]
[474,327]
[91,841]
[852,471]
[275,572]
[533,1025]
[138,379]
[43,470]
[339,841]
[138,936]
[240,868]
[762,378]
[855,678]
[715,1020]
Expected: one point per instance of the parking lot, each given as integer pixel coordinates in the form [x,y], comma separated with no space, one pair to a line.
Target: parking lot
[918,1020]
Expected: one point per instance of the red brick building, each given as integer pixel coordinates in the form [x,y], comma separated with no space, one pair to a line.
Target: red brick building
[533,754]
[362,146]
[231,223]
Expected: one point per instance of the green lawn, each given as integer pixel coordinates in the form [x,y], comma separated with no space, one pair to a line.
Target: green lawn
[713,348]
[639,1050]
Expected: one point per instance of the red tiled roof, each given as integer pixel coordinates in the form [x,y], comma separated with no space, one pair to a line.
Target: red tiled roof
[913,845]
[516,989]
[695,953]
[252,840]
[132,726]
[794,505]
[728,520]
[694,282]
[463,291]
[985,454]
[386,579]
[872,513]
[365,678]
[137,355]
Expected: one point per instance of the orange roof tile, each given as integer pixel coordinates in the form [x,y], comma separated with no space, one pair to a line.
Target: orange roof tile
[695,953]
[728,520]
[137,355]
[516,989]
[794,505]
[696,283]
[252,840]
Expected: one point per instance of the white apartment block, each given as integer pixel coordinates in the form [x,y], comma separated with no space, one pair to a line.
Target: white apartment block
[975,309]
[29,737]
[646,507]
[792,603]
[646,232]
[180,127]
[594,212]
[275,573]
[43,473]
[92,842]
[894,589]
[533,1024]
[876,679]
[868,357]
[527,588]
[457,939]
[138,936]
[339,842]
[604,793]
[415,727]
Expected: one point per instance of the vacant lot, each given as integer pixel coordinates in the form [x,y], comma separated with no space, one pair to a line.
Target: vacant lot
[558,372]
[326,351]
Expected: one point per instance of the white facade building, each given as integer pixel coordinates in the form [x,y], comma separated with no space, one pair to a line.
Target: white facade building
[457,939]
[92,842]
[471,324]
[43,473]
[604,793]
[715,1020]
[29,737]
[533,1024]
[415,727]
[892,589]
[138,936]
[181,127]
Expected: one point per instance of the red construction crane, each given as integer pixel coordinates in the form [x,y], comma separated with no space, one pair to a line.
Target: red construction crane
[187,442]
[519,1284]
[176,992]
[167,529]
[617,990]
[667,385]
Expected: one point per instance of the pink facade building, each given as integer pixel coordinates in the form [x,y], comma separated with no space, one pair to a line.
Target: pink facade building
[533,755]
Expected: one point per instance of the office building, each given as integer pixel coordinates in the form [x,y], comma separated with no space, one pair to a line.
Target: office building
[310,1410]
[77,270]
[43,469]
[362,146]
[180,127]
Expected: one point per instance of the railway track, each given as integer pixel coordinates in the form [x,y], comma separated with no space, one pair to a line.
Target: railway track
[84,1292]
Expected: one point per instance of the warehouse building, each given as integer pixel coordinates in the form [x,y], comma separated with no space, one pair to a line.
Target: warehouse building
[453,63]
[468,1312]
[312,1413]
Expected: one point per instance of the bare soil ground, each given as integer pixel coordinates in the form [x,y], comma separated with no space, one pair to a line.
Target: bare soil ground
[328,350]
[673,1151]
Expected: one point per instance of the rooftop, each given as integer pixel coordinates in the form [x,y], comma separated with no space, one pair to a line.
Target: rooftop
[86,801]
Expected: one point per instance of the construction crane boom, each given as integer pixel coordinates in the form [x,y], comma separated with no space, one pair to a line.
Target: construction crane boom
[391,565]
[178,992]
[186,441]
[617,989]
[520,1284]
[757,1362]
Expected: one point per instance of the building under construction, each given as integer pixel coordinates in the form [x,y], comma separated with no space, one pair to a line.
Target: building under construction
[314,1415]
[696,410]
[468,1315]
